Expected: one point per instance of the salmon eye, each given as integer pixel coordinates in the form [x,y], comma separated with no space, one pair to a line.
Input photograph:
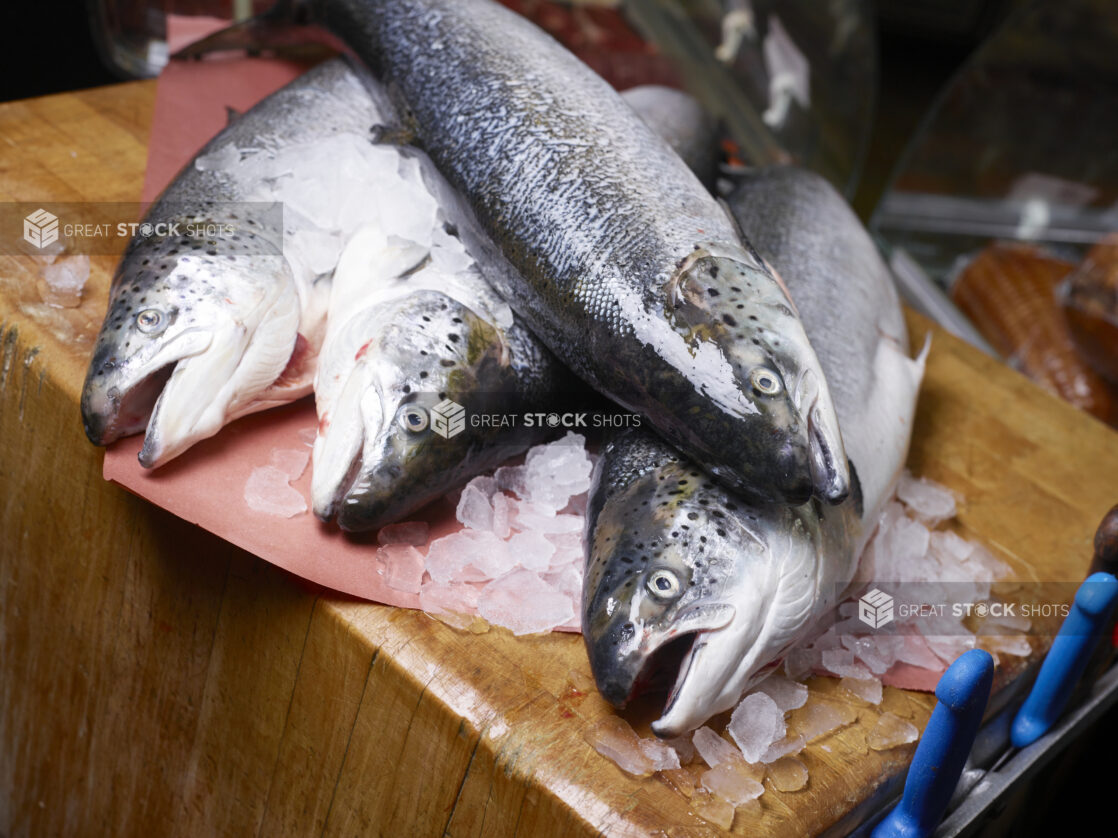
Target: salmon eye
[663,584]
[413,418]
[765,381]
[149,320]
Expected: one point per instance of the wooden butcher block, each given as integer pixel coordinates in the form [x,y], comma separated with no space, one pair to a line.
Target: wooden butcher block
[156,680]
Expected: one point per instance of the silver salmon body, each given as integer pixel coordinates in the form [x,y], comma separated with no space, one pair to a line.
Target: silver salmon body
[683,573]
[203,327]
[615,255]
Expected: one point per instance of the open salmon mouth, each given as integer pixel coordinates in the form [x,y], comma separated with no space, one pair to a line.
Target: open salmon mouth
[127,413]
[661,671]
[679,669]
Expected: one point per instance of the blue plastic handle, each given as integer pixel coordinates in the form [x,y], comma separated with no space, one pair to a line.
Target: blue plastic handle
[963,691]
[1066,660]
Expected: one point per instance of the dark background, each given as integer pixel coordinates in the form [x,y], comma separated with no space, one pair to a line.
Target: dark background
[47,48]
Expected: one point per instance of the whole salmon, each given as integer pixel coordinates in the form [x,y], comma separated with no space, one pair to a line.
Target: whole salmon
[616,256]
[681,571]
[204,326]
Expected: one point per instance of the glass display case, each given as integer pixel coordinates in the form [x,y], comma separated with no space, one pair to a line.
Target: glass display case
[1000,218]
[1021,145]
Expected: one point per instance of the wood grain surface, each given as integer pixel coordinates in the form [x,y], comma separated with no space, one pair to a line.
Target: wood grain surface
[155,680]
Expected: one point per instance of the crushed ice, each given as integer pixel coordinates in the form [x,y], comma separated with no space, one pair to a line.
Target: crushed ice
[891,731]
[774,723]
[928,501]
[269,490]
[909,546]
[518,547]
[291,461]
[63,281]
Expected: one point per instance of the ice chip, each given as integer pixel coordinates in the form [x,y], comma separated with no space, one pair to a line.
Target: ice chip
[512,479]
[877,652]
[841,662]
[489,557]
[439,598]
[307,436]
[267,490]
[792,743]
[448,253]
[524,603]
[786,693]
[568,549]
[532,550]
[291,461]
[900,551]
[818,718]
[914,650]
[564,459]
[405,532]
[567,579]
[64,281]
[474,509]
[952,545]
[547,498]
[403,567]
[950,646]
[869,689]
[316,250]
[713,749]
[488,486]
[530,517]
[788,774]
[580,681]
[993,568]
[756,723]
[890,732]
[662,756]
[555,471]
[683,746]
[713,808]
[614,739]
[734,782]
[502,509]
[446,557]
[929,501]
[468,556]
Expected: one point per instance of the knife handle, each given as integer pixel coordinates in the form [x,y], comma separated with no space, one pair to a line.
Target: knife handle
[963,691]
[1066,660]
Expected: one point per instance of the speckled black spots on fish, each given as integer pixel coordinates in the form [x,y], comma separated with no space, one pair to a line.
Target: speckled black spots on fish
[432,338]
[777,567]
[253,309]
[536,162]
